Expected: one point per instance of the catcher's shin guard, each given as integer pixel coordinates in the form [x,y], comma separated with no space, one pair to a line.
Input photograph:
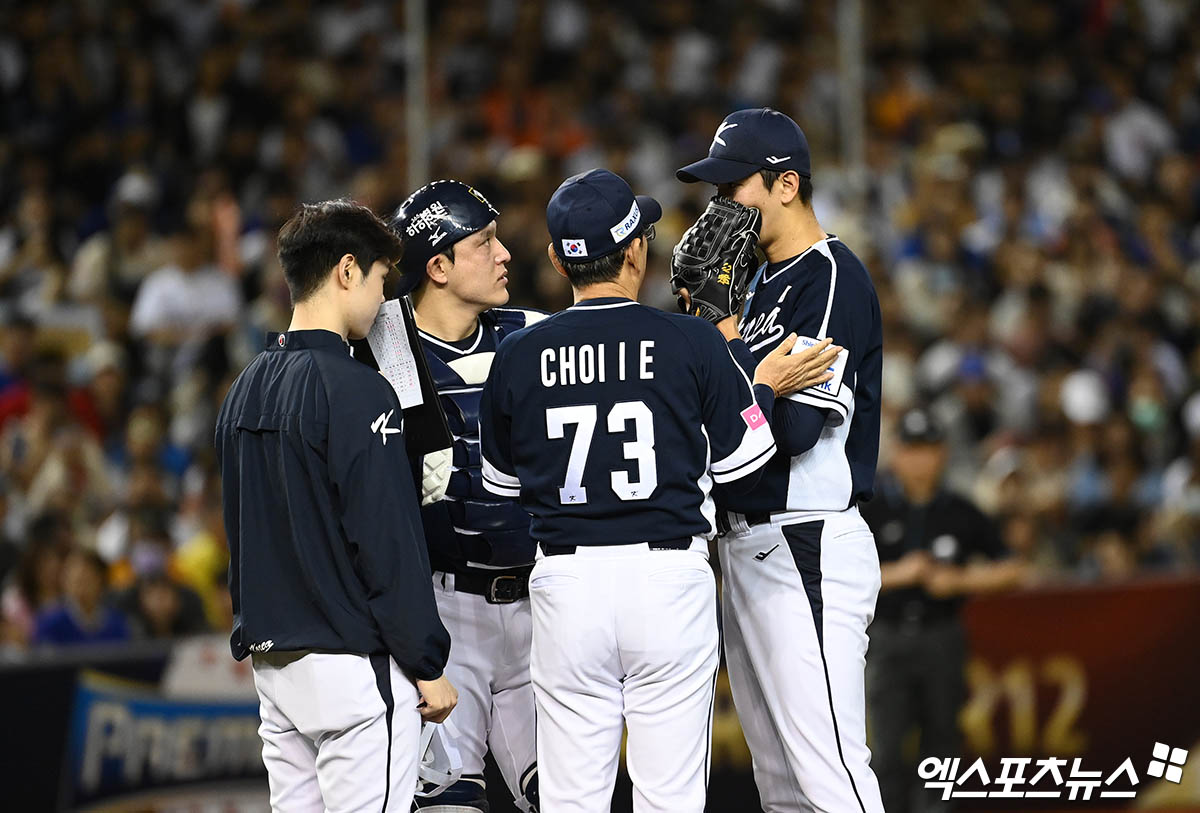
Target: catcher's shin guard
[528,803]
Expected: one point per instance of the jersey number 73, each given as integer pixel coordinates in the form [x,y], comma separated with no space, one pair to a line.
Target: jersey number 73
[640,449]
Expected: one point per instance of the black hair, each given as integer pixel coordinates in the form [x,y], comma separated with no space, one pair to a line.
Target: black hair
[804,187]
[317,236]
[601,269]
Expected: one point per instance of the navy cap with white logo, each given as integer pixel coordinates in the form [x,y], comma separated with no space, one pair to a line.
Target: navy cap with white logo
[595,213]
[432,220]
[747,141]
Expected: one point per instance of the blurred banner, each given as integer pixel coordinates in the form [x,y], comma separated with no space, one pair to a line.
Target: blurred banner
[125,738]
[1099,674]
[1102,674]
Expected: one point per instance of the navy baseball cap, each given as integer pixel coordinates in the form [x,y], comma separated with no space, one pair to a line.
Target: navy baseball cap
[595,213]
[747,141]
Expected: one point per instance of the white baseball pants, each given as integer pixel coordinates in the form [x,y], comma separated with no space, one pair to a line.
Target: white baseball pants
[489,666]
[799,593]
[624,636]
[340,732]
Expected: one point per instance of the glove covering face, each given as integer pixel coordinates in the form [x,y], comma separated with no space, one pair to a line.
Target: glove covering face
[715,259]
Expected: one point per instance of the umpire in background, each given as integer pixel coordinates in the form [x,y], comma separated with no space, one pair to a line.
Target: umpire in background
[328,570]
[935,548]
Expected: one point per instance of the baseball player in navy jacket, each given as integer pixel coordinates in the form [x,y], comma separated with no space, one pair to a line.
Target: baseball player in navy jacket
[328,569]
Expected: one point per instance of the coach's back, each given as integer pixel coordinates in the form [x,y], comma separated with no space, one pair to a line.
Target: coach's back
[611,415]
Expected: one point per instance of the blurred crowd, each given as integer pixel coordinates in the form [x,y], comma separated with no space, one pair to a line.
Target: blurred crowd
[1028,209]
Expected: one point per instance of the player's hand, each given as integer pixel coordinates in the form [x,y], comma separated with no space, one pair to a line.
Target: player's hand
[728,326]
[907,571]
[438,698]
[942,581]
[786,372]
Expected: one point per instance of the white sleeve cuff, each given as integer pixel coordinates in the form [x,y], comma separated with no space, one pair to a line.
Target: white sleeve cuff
[752,453]
[498,482]
[837,405]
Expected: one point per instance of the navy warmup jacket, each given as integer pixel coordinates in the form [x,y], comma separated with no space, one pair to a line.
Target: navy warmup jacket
[325,541]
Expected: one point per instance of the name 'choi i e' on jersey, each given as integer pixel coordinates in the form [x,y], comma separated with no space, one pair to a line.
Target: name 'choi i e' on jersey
[614,411]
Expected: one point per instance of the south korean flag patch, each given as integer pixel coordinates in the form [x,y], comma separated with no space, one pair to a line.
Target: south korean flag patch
[574,248]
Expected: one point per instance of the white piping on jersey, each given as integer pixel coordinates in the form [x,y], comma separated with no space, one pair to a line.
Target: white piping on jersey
[440,343]
[584,304]
[497,481]
[459,390]
[708,508]
[800,257]
[823,247]
[745,377]
[466,531]
[464,439]
[737,464]
[745,467]
[765,279]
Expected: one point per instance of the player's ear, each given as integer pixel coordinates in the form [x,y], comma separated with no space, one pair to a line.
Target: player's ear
[344,270]
[631,250]
[438,267]
[557,263]
[789,186]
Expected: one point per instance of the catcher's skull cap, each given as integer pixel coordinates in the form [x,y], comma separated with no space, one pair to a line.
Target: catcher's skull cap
[750,140]
[595,213]
[434,218]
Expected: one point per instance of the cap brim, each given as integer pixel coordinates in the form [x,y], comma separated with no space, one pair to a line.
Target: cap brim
[650,208]
[716,171]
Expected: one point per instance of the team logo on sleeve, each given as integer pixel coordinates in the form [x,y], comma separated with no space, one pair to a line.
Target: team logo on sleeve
[754,417]
[574,248]
[380,427]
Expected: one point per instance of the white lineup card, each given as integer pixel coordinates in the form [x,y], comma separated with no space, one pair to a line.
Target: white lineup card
[394,354]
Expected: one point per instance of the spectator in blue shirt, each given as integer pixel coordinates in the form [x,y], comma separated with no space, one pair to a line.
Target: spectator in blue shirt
[82,617]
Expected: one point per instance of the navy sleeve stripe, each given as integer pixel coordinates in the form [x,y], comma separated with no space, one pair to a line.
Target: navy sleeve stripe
[820,402]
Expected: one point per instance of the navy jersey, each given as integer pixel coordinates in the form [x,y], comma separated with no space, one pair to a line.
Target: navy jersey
[611,421]
[325,545]
[471,526]
[825,291]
